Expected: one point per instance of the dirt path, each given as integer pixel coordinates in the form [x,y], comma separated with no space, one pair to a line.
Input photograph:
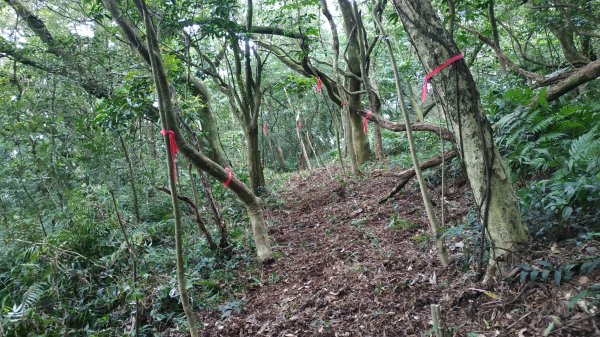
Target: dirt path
[345,267]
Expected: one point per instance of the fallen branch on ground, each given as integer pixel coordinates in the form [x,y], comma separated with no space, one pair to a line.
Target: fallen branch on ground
[408,174]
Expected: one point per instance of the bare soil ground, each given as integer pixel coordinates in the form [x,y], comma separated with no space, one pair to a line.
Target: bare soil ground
[343,270]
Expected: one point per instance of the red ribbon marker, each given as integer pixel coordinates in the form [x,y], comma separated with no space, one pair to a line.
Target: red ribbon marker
[173,148]
[366,122]
[319,85]
[228,181]
[299,124]
[435,71]
[344,103]
[265,129]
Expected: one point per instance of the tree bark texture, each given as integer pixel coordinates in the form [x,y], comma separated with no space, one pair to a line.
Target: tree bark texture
[459,99]
[359,139]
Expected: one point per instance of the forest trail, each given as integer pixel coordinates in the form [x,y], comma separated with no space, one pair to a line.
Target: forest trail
[345,267]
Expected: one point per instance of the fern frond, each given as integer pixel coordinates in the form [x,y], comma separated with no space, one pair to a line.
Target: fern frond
[30,298]
[586,149]
[551,137]
[544,124]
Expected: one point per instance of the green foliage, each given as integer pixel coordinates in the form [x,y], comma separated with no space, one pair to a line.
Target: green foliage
[399,224]
[556,151]
[544,271]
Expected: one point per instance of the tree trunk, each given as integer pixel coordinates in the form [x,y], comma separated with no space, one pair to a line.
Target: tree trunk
[278,153]
[459,99]
[134,195]
[359,138]
[495,34]
[436,231]
[210,127]
[379,153]
[255,171]
[567,44]
[335,47]
[303,146]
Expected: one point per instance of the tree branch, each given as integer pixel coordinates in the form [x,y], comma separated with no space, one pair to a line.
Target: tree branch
[584,74]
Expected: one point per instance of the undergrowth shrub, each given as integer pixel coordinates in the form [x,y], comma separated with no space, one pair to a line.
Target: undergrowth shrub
[553,155]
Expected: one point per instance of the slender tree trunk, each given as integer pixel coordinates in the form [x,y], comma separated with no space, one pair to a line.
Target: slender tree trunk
[134,195]
[379,153]
[165,107]
[336,128]
[299,131]
[278,153]
[459,99]
[495,34]
[216,213]
[452,16]
[433,220]
[304,151]
[199,221]
[314,151]
[344,113]
[255,170]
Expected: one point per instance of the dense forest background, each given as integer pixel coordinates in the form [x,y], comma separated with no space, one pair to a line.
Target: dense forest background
[106,230]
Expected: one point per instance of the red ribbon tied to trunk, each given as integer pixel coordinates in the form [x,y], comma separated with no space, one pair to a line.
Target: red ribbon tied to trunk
[435,71]
[228,181]
[265,129]
[319,84]
[299,125]
[173,149]
[344,103]
[366,122]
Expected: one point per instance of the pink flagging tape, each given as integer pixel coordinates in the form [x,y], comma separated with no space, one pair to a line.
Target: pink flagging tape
[173,148]
[435,71]
[366,122]
[229,177]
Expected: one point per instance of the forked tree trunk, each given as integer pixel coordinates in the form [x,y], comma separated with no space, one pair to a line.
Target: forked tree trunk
[459,99]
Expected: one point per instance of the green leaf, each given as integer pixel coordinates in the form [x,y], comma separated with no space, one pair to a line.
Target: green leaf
[533,275]
[576,298]
[557,277]
[566,213]
[545,274]
[523,276]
